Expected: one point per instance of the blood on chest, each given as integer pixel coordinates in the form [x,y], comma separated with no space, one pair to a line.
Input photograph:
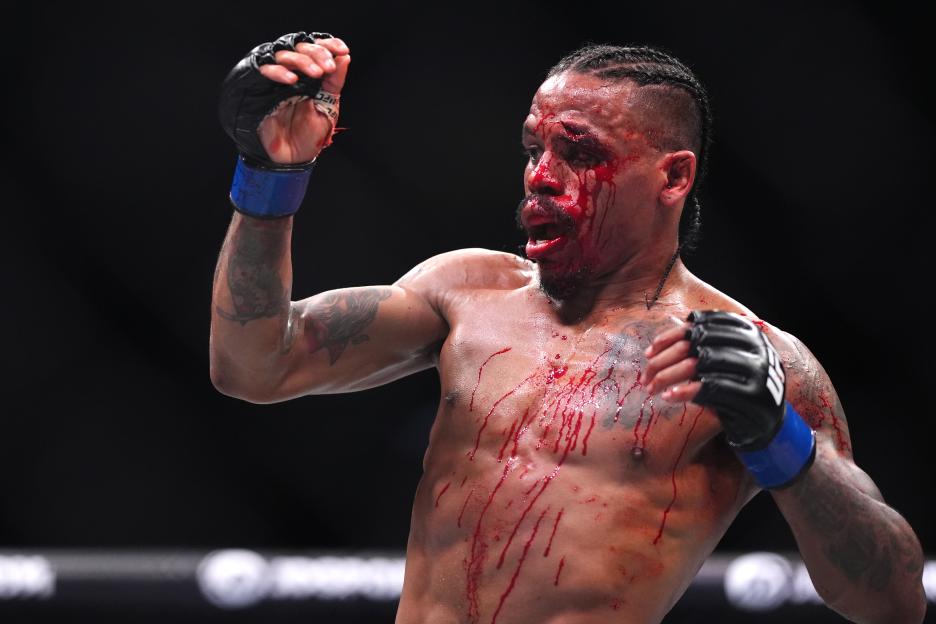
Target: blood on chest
[569,406]
[536,453]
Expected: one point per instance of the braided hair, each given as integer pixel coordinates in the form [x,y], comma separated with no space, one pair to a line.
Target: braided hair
[673,99]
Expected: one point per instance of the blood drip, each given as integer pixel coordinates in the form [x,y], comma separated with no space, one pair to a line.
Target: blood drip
[559,571]
[513,579]
[480,370]
[762,325]
[635,385]
[546,481]
[638,442]
[464,506]
[553,534]
[442,492]
[588,433]
[673,477]
[474,564]
[471,453]
[843,445]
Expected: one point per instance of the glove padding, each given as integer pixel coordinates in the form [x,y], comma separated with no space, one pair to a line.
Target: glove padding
[247,97]
[742,377]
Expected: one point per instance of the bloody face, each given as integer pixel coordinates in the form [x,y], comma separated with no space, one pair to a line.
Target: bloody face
[589,183]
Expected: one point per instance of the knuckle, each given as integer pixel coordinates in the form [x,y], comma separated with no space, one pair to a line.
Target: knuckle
[314,49]
[285,56]
[323,54]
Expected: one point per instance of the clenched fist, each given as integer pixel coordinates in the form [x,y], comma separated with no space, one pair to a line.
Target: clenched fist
[280,103]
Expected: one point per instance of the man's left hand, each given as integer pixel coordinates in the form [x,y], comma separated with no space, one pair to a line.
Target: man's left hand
[723,361]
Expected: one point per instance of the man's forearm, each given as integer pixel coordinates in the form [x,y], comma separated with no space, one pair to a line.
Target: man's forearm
[863,557]
[250,302]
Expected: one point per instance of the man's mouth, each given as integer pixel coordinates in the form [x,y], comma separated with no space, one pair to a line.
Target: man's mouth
[546,238]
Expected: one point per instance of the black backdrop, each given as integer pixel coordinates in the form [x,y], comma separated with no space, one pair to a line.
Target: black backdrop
[816,215]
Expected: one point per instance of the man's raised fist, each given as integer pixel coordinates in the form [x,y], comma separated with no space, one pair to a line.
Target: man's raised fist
[280,102]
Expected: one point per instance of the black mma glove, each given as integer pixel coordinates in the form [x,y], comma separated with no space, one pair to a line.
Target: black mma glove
[247,97]
[262,188]
[744,382]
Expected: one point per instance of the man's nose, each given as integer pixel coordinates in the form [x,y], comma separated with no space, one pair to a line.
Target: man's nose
[543,177]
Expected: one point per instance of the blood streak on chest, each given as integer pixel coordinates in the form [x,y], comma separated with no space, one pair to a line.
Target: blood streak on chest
[559,571]
[513,579]
[682,450]
[484,423]
[564,416]
[553,534]
[444,489]
[481,370]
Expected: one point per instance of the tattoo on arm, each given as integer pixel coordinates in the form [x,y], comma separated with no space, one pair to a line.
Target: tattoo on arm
[853,542]
[862,545]
[867,541]
[811,390]
[341,318]
[253,274]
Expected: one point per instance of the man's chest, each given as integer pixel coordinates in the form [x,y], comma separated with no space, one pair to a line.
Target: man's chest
[524,387]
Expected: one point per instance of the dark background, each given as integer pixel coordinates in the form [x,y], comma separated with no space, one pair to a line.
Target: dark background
[816,215]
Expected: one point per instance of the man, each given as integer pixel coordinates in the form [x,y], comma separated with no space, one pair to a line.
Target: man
[559,484]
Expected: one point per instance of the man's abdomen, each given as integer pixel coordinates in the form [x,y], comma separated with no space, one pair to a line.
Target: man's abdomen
[531,539]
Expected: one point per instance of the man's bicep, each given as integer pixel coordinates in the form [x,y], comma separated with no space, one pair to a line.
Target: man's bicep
[810,391]
[356,338]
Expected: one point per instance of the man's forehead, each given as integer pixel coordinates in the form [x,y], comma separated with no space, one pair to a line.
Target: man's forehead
[581,100]
[575,87]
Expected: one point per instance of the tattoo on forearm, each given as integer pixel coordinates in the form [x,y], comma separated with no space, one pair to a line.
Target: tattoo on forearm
[253,274]
[867,543]
[864,546]
[850,540]
[341,318]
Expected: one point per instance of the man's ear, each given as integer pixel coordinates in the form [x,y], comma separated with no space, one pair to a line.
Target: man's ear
[679,170]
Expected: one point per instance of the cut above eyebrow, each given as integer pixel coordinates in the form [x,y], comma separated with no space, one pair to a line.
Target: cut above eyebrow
[581,136]
[576,129]
[588,141]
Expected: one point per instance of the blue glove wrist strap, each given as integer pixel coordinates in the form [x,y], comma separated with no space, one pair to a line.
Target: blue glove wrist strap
[268,193]
[788,454]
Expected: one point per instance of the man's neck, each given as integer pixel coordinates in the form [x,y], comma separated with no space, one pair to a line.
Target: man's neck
[632,286]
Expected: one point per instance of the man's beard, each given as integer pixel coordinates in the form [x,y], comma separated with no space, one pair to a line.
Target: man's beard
[560,287]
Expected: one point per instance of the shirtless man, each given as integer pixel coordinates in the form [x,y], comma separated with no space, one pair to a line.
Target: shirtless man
[593,440]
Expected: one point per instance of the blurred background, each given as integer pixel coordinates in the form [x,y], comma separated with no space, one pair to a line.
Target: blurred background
[115,186]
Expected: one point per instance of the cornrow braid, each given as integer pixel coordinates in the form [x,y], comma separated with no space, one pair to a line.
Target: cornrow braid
[645,65]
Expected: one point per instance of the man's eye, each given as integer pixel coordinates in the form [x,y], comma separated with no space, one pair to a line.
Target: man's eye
[583,158]
[533,153]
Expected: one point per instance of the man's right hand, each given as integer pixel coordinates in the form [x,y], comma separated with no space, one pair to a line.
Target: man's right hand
[296,131]
[267,122]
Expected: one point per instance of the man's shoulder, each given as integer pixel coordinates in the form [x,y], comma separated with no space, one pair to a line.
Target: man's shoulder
[796,356]
[472,268]
[703,296]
